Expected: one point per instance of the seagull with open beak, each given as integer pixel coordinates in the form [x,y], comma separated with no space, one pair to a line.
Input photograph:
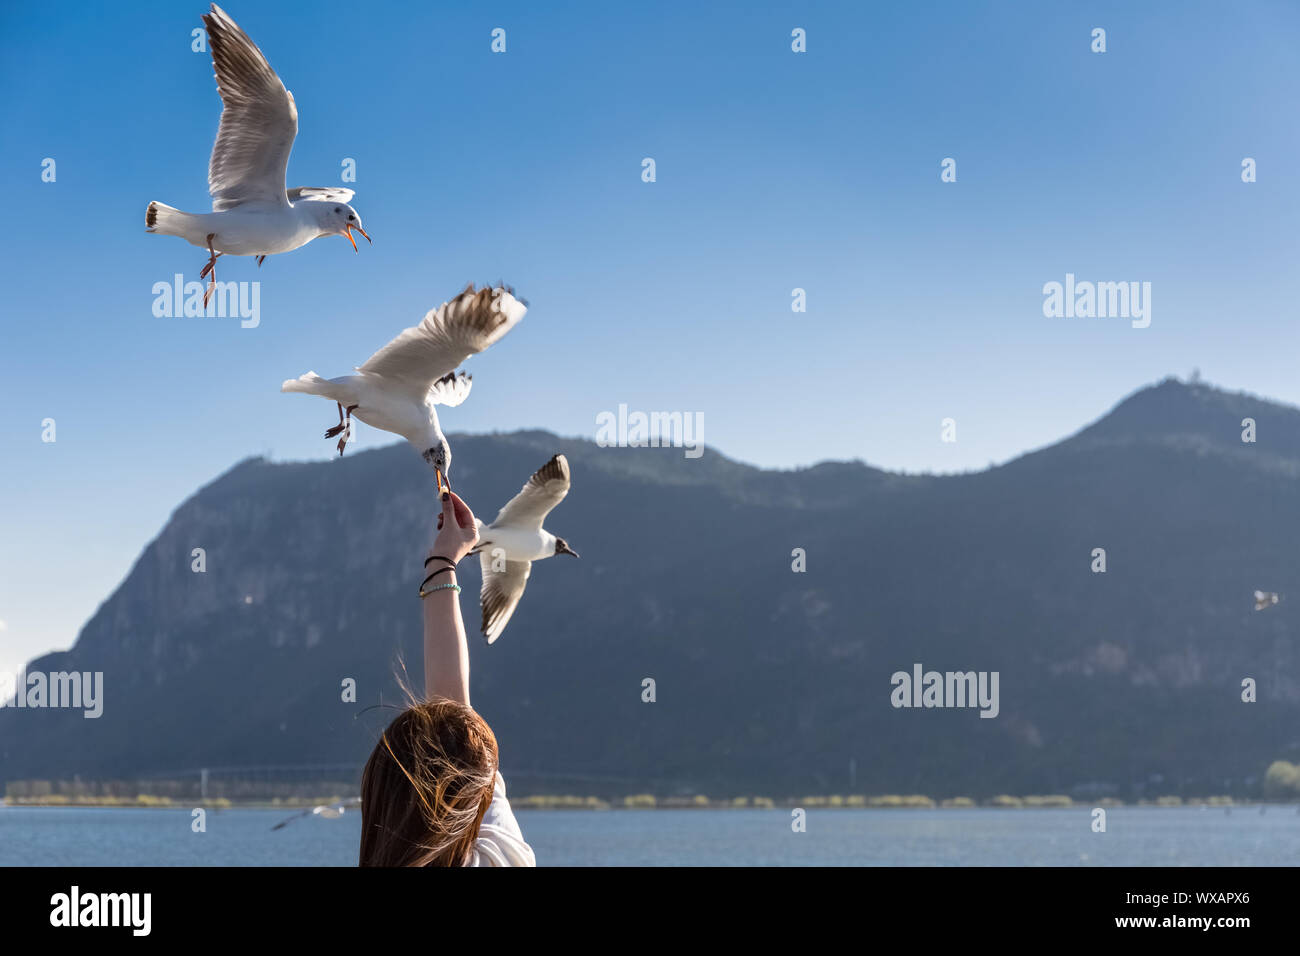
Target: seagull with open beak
[349,226]
[253,214]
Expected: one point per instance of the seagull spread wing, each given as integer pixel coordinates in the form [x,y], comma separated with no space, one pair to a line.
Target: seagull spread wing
[319,194]
[451,333]
[258,124]
[538,496]
[285,822]
[500,593]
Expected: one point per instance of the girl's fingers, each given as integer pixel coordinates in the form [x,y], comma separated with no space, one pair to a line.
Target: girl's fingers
[464,517]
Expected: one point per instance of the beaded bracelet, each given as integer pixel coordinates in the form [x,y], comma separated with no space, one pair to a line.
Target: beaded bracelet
[439,587]
[434,575]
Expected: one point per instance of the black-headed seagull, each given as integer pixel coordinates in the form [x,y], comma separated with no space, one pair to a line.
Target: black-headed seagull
[509,545]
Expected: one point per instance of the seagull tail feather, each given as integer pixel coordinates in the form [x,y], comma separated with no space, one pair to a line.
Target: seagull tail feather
[313,384]
[166,220]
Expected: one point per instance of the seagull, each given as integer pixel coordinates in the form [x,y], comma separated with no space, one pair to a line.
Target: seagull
[401,385]
[330,811]
[509,545]
[1265,599]
[253,214]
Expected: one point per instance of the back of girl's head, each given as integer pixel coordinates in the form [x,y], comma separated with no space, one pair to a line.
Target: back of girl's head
[426,786]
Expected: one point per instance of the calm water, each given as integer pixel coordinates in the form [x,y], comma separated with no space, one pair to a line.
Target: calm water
[1139,836]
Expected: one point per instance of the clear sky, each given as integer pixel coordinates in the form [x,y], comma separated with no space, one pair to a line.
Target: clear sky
[775,170]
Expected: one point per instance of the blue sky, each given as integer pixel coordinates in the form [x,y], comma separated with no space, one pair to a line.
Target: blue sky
[775,170]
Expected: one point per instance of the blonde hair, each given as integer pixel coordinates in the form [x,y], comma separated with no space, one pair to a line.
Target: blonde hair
[426,786]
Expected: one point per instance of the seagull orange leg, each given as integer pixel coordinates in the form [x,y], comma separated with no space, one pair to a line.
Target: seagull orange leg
[212,270]
[344,428]
[259,261]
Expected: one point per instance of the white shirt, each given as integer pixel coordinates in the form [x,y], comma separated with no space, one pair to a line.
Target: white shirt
[500,841]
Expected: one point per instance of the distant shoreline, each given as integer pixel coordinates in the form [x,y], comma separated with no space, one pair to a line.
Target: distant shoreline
[646,802]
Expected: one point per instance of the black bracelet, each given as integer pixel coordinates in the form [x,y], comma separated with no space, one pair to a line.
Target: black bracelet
[435,574]
[440,557]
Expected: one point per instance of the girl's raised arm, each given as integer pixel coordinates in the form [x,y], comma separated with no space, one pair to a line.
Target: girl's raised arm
[446,655]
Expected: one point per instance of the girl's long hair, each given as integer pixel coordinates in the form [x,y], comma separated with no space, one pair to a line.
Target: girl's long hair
[426,786]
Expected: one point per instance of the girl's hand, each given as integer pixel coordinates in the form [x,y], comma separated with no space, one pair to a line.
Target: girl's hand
[457,531]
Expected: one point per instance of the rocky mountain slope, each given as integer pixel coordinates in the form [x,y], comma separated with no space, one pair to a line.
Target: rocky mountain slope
[767,681]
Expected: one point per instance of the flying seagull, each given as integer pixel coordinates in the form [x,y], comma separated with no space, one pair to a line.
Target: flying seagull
[329,811]
[1265,599]
[253,214]
[401,385]
[508,546]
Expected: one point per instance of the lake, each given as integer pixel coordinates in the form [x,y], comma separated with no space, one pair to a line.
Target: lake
[1136,836]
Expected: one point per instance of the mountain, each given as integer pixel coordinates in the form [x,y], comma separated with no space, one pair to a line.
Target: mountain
[767,681]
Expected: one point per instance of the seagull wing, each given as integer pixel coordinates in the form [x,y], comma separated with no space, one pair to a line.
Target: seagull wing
[258,123]
[500,593]
[285,822]
[451,333]
[538,496]
[320,194]
[452,389]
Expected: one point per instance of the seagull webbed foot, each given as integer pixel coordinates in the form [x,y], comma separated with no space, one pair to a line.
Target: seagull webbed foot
[210,266]
[331,432]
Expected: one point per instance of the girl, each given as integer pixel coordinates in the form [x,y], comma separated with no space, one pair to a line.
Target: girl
[431,793]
